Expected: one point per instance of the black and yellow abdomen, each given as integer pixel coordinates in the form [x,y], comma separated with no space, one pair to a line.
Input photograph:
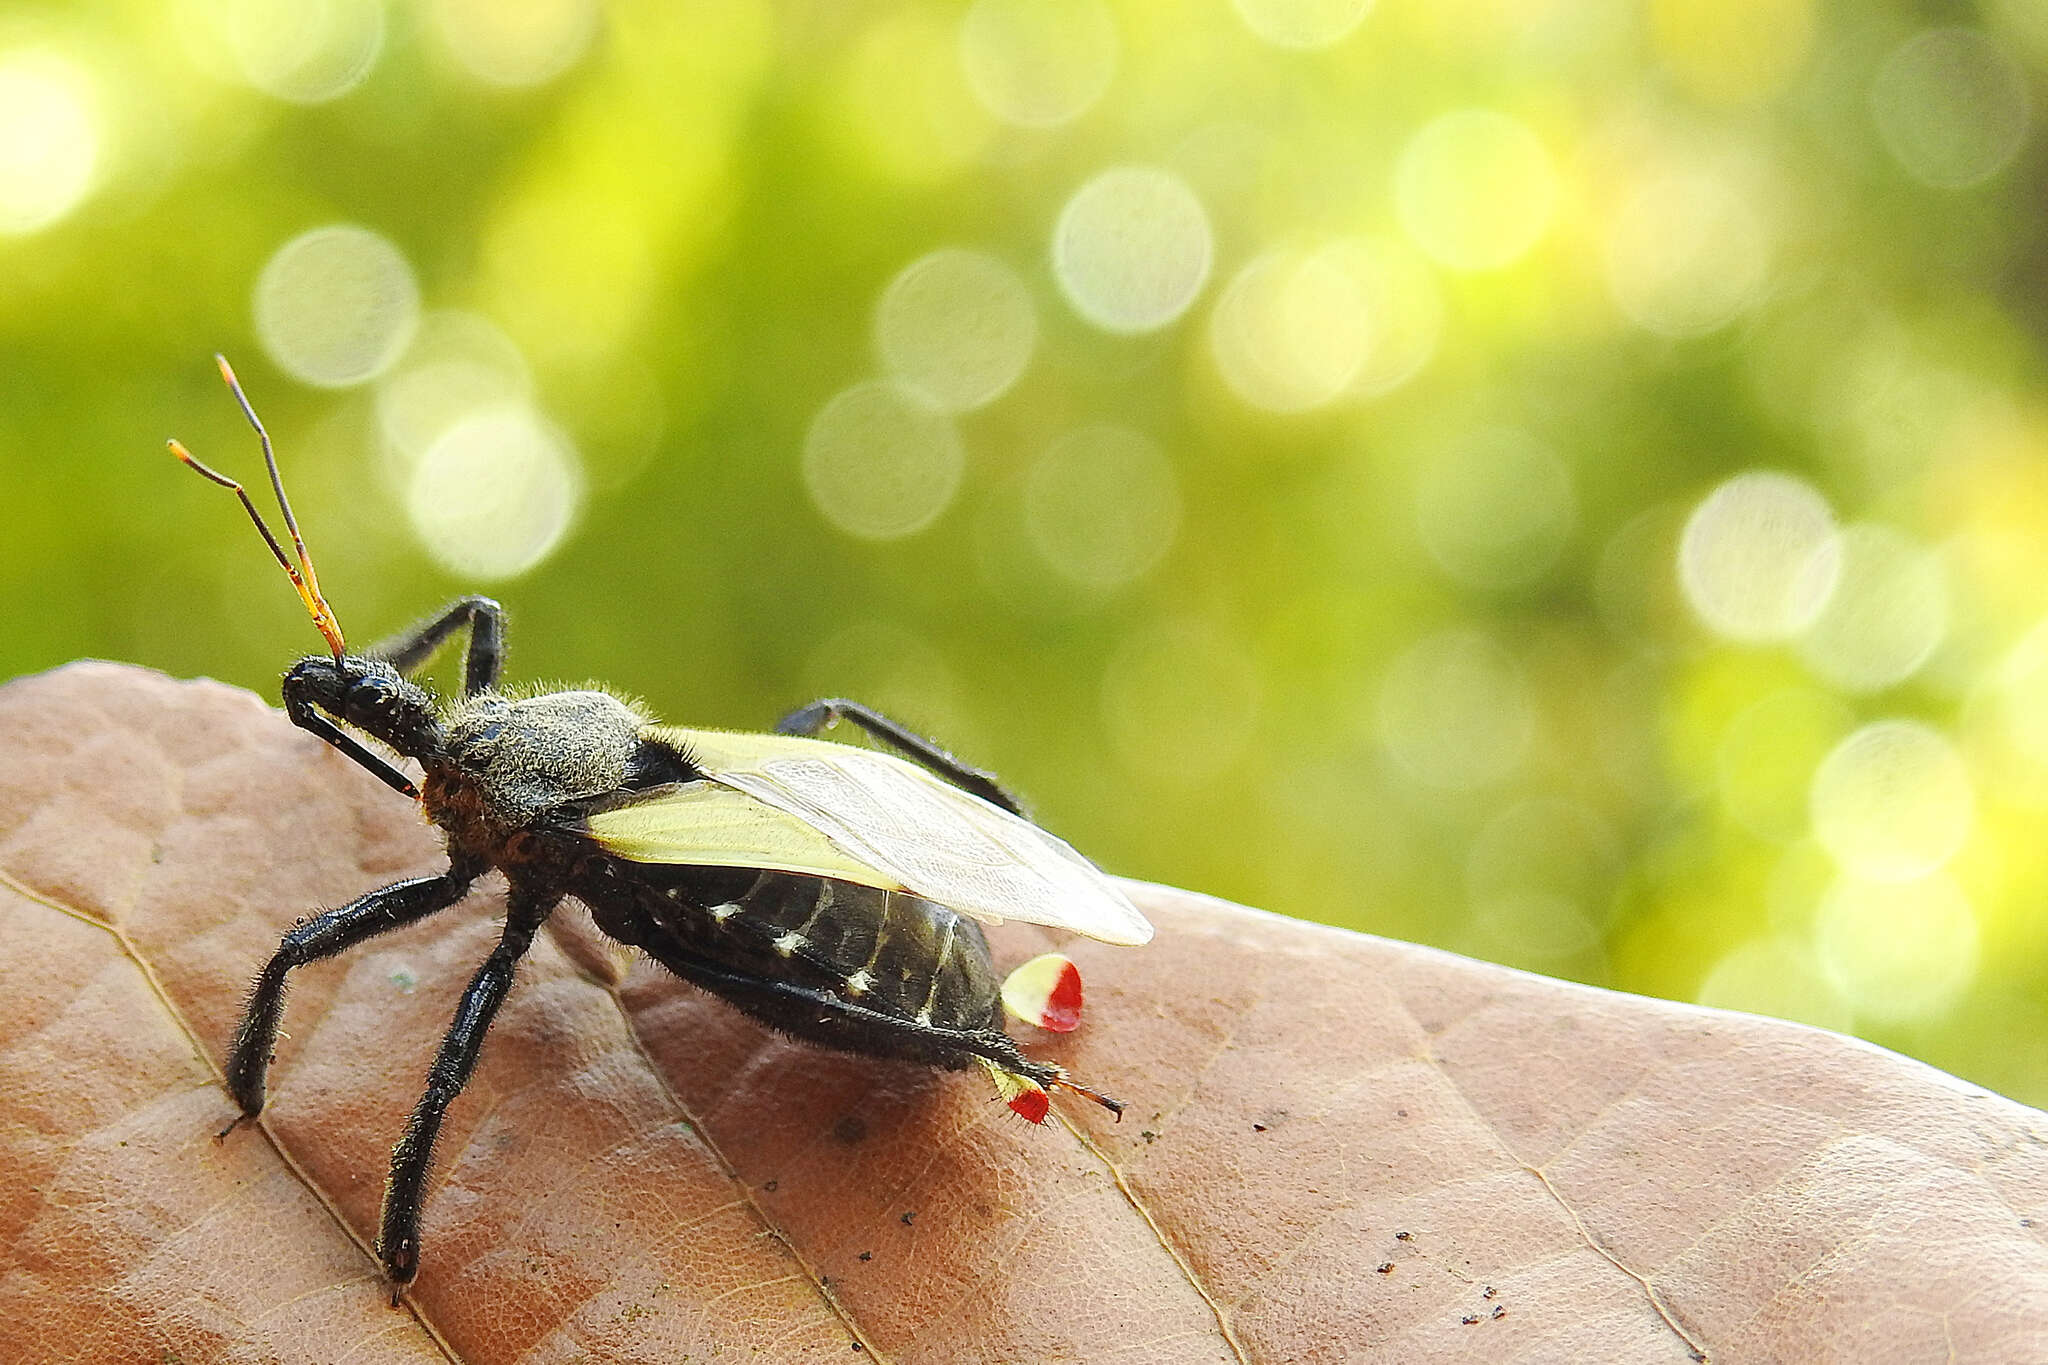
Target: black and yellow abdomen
[850,966]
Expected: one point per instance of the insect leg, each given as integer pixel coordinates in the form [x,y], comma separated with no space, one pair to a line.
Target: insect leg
[398,1245]
[309,940]
[809,720]
[486,657]
[878,1031]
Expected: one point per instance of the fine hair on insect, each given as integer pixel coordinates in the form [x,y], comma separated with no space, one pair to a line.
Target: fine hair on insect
[832,891]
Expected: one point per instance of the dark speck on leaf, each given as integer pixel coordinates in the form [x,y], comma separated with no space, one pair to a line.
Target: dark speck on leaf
[867,1255]
[1400,1113]
[850,1129]
[1500,1310]
[1258,1128]
[1488,1292]
[1386,1267]
[771,1186]
[1469,1319]
[907,1217]
[1404,1236]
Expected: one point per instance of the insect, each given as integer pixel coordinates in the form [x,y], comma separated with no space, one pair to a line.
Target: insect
[829,890]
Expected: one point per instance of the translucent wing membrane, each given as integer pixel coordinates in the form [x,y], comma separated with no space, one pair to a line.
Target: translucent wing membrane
[885,822]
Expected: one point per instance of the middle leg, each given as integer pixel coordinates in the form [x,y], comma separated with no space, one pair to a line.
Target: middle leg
[398,1244]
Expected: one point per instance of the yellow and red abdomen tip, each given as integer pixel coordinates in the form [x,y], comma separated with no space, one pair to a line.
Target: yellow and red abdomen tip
[1024,1095]
[1033,1104]
[1046,992]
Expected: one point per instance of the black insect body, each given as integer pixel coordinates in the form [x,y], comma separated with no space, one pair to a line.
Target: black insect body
[828,890]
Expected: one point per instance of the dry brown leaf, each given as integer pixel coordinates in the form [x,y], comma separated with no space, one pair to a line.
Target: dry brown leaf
[1338,1148]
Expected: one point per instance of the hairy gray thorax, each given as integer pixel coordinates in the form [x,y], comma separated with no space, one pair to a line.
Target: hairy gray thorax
[527,756]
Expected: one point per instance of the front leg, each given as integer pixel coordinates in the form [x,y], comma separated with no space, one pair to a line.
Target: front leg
[313,938]
[486,656]
[398,1244]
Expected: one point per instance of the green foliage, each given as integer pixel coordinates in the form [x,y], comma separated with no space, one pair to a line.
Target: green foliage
[1559,480]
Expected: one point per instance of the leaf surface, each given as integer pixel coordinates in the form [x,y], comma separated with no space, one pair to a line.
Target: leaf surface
[1338,1147]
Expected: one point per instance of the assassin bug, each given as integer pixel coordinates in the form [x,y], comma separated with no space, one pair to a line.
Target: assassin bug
[828,890]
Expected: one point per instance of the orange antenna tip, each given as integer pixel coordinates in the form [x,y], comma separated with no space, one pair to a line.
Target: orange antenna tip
[301,574]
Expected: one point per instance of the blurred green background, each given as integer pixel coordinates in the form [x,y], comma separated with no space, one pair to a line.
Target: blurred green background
[1558,479]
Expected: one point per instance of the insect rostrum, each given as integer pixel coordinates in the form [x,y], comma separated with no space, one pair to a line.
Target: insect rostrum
[829,890]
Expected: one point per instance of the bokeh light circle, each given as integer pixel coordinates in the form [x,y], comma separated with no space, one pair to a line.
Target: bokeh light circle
[514,43]
[1495,508]
[1455,711]
[1038,63]
[1533,929]
[1951,105]
[881,461]
[1759,556]
[336,306]
[1900,951]
[493,496]
[2009,720]
[1404,309]
[1887,614]
[958,326]
[1291,331]
[307,52]
[49,139]
[1475,189]
[1776,977]
[1302,23]
[1132,249]
[1893,801]
[458,364]
[1686,253]
[1102,506]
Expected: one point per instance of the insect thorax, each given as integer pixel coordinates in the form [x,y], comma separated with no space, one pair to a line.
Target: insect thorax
[511,761]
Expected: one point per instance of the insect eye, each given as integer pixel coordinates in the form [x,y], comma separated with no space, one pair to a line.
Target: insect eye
[370,700]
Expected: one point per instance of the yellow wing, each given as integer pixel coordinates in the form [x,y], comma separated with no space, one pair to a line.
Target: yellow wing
[832,810]
[706,824]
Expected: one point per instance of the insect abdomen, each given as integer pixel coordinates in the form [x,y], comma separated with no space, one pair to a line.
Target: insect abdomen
[850,951]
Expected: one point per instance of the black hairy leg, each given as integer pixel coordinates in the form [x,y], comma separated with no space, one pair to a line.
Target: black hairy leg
[485,658]
[811,1014]
[319,936]
[810,720]
[398,1244]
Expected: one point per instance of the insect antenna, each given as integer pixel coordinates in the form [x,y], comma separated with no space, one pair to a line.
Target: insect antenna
[302,576]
